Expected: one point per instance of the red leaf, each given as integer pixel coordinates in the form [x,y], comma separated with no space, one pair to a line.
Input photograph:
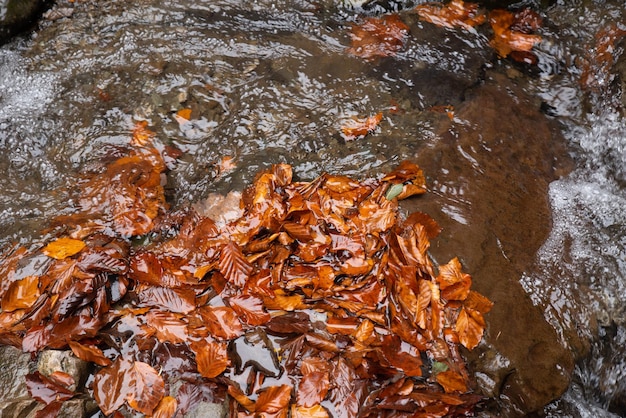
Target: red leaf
[49,411]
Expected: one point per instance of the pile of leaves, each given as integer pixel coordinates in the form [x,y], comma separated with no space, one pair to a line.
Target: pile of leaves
[319,300]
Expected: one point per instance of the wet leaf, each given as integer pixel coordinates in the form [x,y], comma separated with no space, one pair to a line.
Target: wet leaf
[312,389]
[273,399]
[315,411]
[470,325]
[169,327]
[111,386]
[146,388]
[233,265]
[21,294]
[355,128]
[51,410]
[250,309]
[455,13]
[63,247]
[222,322]
[506,39]
[451,382]
[394,191]
[211,357]
[46,390]
[166,408]
[378,37]
[89,353]
[174,300]
[454,284]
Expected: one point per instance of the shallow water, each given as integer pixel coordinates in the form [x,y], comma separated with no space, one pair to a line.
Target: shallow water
[269,83]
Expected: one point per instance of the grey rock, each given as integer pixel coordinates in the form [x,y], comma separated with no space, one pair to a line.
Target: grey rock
[51,361]
[14,365]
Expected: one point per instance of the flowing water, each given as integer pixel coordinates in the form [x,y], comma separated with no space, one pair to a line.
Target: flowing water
[271,82]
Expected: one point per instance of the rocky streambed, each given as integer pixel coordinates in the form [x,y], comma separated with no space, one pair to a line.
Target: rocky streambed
[524,164]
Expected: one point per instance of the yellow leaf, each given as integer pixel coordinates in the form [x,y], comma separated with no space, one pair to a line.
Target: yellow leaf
[63,247]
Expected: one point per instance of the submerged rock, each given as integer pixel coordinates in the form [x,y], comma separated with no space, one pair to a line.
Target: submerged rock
[489,175]
[16,15]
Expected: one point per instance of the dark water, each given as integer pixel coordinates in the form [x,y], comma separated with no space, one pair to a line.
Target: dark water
[271,82]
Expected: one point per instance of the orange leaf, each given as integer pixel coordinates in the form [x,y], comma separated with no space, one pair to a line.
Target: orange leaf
[507,40]
[312,389]
[455,13]
[111,386]
[211,357]
[355,128]
[184,114]
[142,136]
[378,37]
[470,325]
[169,327]
[451,381]
[222,322]
[166,408]
[63,247]
[21,294]
[454,284]
[273,399]
[250,309]
[315,411]
[89,353]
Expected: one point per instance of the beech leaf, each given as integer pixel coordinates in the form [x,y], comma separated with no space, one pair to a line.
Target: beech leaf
[63,247]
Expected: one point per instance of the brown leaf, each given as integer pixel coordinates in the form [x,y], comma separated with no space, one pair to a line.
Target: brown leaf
[506,39]
[211,357]
[378,37]
[250,309]
[315,411]
[169,326]
[454,284]
[222,322]
[111,386]
[63,247]
[174,300]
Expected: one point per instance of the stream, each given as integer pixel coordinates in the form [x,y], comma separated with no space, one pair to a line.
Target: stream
[526,175]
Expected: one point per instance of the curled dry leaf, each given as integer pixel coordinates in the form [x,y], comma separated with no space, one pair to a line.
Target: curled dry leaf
[378,37]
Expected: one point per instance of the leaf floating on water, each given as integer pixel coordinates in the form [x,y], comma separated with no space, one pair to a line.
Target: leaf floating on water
[355,128]
[508,35]
[378,37]
[456,13]
[63,248]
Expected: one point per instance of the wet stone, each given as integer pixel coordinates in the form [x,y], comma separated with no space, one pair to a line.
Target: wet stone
[15,15]
[51,361]
[505,153]
[15,365]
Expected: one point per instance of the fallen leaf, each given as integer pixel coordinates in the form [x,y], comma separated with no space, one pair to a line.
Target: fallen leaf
[455,13]
[378,37]
[355,128]
[63,247]
[506,39]
[451,382]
